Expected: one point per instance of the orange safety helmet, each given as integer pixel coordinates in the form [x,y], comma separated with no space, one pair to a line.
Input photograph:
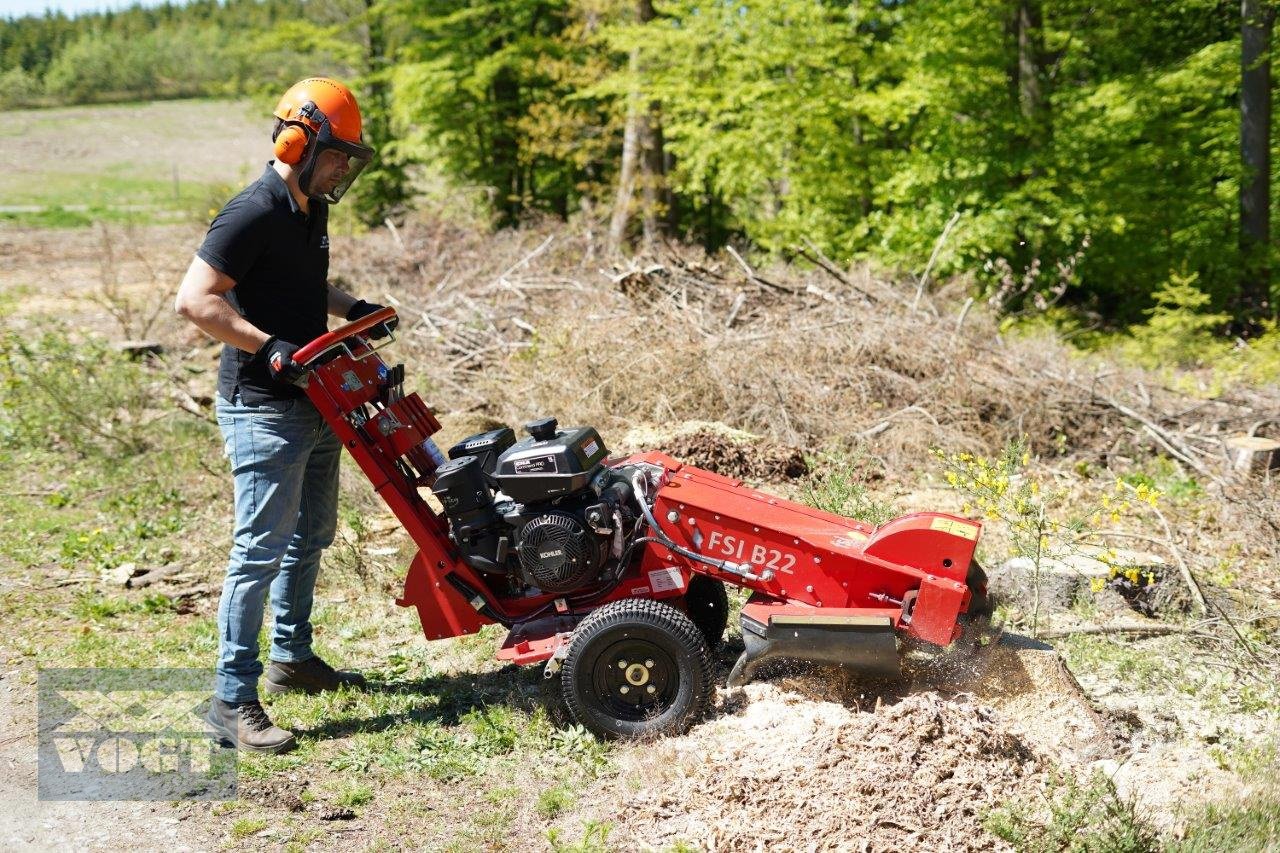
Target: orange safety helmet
[317,114]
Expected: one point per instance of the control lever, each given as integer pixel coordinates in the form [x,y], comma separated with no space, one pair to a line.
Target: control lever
[391,388]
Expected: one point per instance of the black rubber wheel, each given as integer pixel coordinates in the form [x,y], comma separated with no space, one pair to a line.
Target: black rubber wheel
[707,604]
[637,668]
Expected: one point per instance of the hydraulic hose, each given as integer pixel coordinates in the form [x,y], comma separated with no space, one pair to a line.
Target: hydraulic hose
[740,569]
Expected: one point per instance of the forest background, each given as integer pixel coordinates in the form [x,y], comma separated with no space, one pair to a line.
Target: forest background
[1101,164]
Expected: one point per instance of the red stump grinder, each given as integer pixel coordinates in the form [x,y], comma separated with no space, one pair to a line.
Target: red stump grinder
[611,572]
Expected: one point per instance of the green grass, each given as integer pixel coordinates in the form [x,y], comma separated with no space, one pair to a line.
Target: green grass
[437,716]
[554,800]
[246,826]
[128,162]
[1253,823]
[1177,665]
[353,795]
[595,839]
[1075,817]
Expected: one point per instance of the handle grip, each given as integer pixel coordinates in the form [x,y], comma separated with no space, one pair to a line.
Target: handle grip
[308,353]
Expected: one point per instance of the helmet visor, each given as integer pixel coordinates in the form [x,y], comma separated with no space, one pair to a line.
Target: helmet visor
[358,157]
[355,165]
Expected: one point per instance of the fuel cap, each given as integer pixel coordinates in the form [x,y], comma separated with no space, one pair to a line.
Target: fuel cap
[542,429]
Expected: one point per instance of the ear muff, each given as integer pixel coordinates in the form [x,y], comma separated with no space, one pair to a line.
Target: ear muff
[291,144]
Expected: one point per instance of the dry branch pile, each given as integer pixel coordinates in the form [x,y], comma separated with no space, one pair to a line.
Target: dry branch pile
[526,323]
[519,323]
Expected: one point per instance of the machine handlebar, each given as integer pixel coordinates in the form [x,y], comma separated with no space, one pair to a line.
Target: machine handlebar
[311,351]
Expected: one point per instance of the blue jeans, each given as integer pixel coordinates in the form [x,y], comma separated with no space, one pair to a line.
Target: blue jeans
[285,461]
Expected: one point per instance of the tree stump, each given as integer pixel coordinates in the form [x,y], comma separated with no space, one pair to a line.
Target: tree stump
[1253,454]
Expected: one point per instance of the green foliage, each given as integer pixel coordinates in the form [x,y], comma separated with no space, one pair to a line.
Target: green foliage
[1042,517]
[86,396]
[1161,475]
[769,107]
[1082,162]
[488,92]
[1081,818]
[1184,331]
[836,485]
[1179,329]
[19,88]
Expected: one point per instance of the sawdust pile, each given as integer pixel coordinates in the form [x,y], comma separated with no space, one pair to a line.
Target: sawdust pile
[790,773]
[758,461]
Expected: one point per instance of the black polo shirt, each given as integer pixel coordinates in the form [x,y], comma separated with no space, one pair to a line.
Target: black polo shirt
[279,259]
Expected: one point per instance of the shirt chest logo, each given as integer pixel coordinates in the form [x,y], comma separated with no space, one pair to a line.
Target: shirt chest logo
[324,242]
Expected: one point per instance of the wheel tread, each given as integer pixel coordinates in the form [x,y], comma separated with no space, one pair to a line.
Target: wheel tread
[656,614]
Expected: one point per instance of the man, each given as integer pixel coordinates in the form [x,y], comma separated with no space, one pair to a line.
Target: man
[259,283]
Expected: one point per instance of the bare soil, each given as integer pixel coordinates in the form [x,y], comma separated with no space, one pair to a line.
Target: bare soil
[29,823]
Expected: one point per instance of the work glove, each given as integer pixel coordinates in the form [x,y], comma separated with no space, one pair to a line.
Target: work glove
[278,356]
[364,309]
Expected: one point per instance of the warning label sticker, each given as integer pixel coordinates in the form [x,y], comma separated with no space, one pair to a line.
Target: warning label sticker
[955,527]
[664,579]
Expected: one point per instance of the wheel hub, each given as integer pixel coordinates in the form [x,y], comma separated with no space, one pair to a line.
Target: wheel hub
[637,674]
[638,679]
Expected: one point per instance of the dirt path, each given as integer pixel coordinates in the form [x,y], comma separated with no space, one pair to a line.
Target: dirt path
[28,823]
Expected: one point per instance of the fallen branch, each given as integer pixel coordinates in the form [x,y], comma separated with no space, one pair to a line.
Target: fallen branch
[395,233]
[1162,436]
[153,576]
[884,423]
[1173,451]
[538,251]
[823,262]
[738,302]
[1149,630]
[964,312]
[937,247]
[1193,586]
[751,274]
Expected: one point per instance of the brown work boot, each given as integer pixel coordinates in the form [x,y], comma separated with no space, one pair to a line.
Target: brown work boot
[309,676]
[246,726]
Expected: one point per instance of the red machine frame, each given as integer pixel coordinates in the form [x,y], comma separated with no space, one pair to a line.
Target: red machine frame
[806,569]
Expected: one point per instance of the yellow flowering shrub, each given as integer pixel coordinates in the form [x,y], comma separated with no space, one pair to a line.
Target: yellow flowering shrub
[1045,518]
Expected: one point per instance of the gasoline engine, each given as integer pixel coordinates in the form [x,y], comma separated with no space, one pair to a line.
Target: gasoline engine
[545,513]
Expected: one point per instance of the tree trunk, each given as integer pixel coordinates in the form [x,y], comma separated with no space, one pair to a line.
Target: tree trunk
[627,169]
[1031,65]
[644,162]
[655,196]
[1028,84]
[383,188]
[505,91]
[1254,302]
